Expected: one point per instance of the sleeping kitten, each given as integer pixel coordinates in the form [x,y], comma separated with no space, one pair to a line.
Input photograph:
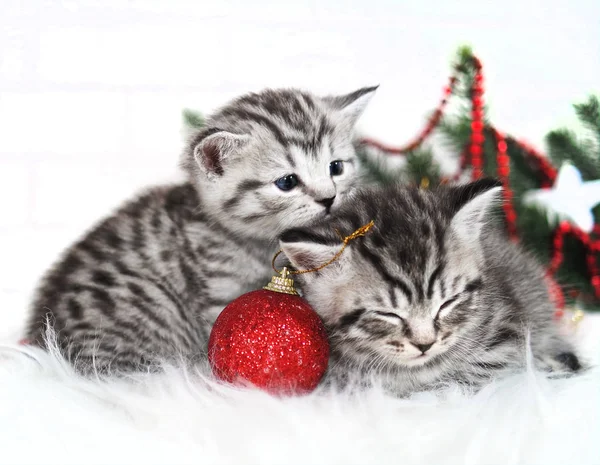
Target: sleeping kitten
[147,283]
[434,293]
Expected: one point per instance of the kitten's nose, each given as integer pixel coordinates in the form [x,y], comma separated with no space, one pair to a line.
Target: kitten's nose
[327,203]
[423,347]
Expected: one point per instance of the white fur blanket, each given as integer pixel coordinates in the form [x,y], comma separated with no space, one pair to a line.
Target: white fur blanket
[48,415]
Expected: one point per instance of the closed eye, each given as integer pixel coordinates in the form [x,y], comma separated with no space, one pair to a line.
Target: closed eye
[446,305]
[390,315]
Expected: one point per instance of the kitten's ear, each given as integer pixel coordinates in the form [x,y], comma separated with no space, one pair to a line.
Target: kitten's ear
[213,150]
[353,104]
[307,251]
[471,203]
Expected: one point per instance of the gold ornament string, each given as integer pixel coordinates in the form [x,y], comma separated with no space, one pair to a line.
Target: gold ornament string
[345,241]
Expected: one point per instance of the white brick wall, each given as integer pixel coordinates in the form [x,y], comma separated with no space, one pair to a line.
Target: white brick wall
[91,92]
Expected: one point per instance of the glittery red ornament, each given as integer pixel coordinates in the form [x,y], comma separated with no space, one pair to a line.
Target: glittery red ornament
[272,340]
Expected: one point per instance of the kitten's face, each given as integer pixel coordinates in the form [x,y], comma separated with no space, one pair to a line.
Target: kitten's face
[285,160]
[407,293]
[407,322]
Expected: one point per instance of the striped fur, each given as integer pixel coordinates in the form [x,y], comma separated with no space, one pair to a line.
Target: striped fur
[147,283]
[434,293]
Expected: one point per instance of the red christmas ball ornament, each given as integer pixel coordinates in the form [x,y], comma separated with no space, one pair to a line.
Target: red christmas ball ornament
[270,338]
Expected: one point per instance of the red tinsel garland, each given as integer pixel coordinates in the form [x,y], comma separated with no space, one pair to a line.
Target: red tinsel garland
[592,245]
[477,124]
[503,163]
[473,156]
[431,125]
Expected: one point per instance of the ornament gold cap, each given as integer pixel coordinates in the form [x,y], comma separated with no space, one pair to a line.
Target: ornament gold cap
[282,283]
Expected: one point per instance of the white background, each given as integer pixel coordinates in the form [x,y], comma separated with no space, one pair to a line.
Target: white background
[91,93]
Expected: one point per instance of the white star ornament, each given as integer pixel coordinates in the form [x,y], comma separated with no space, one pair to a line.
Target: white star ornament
[570,198]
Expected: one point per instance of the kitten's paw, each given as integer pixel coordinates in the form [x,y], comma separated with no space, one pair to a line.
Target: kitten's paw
[564,362]
[569,361]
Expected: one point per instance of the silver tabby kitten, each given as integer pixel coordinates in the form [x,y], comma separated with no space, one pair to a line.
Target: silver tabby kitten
[147,283]
[434,293]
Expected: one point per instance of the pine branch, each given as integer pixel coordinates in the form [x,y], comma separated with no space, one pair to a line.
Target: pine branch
[192,119]
[421,167]
[589,114]
[563,146]
[465,66]
[456,131]
[523,175]
[375,169]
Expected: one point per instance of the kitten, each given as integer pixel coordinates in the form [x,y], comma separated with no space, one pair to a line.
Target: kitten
[434,293]
[147,283]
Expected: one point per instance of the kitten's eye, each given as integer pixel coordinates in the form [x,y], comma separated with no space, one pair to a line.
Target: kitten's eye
[446,305]
[287,183]
[336,167]
[390,315]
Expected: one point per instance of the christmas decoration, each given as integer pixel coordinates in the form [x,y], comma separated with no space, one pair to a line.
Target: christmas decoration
[271,338]
[569,198]
[532,184]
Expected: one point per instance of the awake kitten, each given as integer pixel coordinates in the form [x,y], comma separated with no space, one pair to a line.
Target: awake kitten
[433,293]
[148,282]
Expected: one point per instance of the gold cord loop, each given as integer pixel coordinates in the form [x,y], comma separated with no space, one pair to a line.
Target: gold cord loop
[345,240]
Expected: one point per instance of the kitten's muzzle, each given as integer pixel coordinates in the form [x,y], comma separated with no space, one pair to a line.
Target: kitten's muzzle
[423,347]
[327,203]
